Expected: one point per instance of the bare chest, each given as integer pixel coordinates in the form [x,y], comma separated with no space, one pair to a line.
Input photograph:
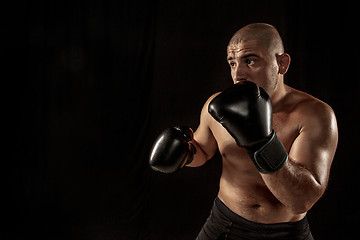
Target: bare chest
[241,186]
[285,126]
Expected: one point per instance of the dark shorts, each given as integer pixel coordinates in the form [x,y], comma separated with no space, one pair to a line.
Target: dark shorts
[225,224]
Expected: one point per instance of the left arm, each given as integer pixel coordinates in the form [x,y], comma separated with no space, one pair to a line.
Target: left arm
[298,178]
[303,179]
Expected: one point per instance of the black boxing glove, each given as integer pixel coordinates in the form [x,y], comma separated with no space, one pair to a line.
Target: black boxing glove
[245,111]
[172,149]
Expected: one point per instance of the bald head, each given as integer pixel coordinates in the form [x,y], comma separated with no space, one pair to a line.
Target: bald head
[265,34]
[256,53]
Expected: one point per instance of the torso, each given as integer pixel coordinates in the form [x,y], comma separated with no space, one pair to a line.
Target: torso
[241,186]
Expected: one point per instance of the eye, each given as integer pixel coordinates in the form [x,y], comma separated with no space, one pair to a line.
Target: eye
[232,64]
[250,62]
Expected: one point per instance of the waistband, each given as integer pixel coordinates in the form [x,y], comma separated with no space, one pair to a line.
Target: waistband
[301,226]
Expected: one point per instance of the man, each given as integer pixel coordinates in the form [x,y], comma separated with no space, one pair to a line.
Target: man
[277,144]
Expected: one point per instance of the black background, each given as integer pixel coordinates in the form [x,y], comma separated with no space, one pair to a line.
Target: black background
[88,85]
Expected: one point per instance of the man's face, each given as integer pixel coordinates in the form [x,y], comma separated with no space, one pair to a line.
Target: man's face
[251,61]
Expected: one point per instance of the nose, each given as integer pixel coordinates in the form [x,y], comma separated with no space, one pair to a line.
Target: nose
[238,74]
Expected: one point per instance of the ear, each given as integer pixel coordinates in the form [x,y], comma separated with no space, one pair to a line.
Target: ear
[283,62]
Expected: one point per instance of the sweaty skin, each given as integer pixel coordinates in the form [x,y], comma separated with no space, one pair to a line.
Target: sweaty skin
[306,126]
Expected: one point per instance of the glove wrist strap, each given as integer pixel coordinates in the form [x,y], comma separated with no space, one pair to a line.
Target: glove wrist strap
[271,156]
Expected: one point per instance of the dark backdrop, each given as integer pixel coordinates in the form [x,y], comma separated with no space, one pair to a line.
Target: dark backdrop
[88,85]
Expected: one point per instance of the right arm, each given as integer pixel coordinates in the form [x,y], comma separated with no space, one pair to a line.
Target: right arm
[204,140]
[175,146]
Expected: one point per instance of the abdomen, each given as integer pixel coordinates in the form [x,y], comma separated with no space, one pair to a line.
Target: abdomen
[245,193]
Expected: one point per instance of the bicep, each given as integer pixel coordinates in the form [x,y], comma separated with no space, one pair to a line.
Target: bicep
[204,140]
[315,146]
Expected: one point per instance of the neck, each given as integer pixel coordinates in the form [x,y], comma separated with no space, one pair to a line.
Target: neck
[278,94]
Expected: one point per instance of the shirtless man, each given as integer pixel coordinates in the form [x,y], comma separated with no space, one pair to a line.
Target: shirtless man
[277,144]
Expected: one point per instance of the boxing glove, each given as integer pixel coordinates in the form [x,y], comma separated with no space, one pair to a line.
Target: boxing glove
[172,149]
[245,111]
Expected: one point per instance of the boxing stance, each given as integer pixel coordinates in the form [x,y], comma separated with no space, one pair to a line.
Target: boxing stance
[277,144]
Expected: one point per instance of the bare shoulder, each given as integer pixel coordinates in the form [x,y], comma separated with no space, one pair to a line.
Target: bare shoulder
[309,108]
[204,112]
[313,115]
[211,98]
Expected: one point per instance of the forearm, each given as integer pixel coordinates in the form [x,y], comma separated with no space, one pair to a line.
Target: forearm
[204,141]
[200,158]
[294,186]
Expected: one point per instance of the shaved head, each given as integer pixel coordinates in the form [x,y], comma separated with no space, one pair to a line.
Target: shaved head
[256,53]
[266,34]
